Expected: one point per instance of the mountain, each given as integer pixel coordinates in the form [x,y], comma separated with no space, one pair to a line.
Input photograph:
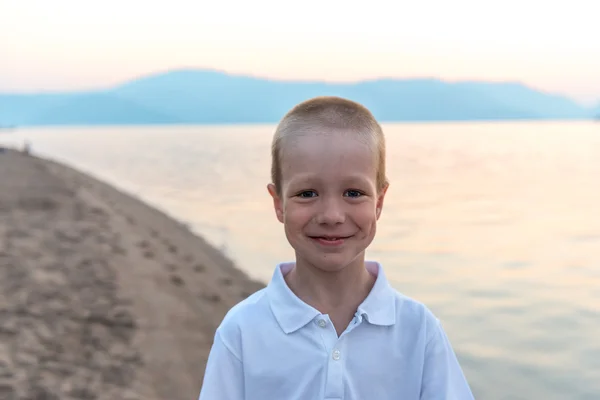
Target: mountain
[99,109]
[596,112]
[522,97]
[76,109]
[212,97]
[20,109]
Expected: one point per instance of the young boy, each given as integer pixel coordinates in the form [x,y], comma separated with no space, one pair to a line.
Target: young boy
[329,325]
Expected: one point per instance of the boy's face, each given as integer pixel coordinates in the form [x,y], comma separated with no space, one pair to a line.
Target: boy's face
[329,203]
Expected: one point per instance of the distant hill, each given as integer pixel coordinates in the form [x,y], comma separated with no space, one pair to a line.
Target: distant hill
[211,97]
[99,109]
[21,109]
[596,112]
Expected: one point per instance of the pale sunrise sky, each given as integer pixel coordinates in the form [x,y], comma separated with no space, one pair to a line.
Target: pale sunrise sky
[75,44]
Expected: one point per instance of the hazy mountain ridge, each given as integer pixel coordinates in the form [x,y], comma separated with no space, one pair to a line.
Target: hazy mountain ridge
[100,109]
[211,97]
[596,111]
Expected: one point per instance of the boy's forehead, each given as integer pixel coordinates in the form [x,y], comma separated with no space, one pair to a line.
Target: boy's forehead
[319,138]
[314,154]
[325,149]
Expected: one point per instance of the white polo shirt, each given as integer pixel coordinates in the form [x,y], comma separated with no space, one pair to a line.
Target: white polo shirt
[274,346]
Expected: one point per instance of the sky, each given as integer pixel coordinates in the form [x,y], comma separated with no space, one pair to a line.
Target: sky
[48,45]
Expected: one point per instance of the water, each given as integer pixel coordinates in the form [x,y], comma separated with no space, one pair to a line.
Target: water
[496,227]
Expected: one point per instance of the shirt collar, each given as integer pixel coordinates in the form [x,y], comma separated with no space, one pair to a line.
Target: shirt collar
[290,312]
[379,308]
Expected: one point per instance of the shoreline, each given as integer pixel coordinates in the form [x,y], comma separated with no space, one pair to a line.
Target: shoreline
[103,296]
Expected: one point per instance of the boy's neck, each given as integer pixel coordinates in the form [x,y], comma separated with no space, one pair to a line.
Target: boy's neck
[335,293]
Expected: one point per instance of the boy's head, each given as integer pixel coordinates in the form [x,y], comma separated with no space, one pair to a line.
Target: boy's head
[328,180]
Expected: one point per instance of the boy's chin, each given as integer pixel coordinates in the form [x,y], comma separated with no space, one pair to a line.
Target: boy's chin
[333,262]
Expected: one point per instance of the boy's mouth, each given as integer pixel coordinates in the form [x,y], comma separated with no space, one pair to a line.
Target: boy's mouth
[330,240]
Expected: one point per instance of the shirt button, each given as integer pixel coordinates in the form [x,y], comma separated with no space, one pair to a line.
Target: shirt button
[336,355]
[322,323]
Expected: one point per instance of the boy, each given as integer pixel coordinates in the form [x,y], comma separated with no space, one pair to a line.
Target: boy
[329,326]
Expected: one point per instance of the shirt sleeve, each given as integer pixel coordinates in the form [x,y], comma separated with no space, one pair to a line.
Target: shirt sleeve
[443,378]
[224,374]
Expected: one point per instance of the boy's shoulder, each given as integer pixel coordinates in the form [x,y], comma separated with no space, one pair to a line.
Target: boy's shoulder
[252,310]
[412,312]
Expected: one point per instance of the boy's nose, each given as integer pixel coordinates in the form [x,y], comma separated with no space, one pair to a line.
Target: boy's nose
[331,213]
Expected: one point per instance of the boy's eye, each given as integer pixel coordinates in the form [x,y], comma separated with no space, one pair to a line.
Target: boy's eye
[307,194]
[353,193]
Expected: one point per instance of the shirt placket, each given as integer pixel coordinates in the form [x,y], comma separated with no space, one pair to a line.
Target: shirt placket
[336,349]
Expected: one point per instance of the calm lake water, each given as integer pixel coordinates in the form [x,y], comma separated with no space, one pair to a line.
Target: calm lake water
[496,227]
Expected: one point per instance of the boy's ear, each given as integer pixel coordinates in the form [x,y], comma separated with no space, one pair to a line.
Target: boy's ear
[380,198]
[277,203]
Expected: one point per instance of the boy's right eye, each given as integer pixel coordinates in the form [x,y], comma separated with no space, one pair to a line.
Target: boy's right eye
[307,194]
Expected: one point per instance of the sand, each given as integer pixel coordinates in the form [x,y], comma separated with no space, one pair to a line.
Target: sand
[102,296]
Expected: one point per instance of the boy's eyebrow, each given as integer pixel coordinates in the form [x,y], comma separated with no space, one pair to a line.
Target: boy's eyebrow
[355,179]
[302,179]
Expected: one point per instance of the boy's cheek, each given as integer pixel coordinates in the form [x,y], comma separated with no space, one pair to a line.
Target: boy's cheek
[295,213]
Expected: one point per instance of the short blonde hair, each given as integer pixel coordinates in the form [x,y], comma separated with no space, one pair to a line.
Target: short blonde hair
[331,113]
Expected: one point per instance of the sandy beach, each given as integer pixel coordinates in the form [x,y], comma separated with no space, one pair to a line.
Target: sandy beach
[102,296]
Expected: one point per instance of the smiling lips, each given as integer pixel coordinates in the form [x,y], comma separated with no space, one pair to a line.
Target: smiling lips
[330,240]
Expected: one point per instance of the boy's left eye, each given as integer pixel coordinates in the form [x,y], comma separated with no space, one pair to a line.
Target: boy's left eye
[307,194]
[353,193]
